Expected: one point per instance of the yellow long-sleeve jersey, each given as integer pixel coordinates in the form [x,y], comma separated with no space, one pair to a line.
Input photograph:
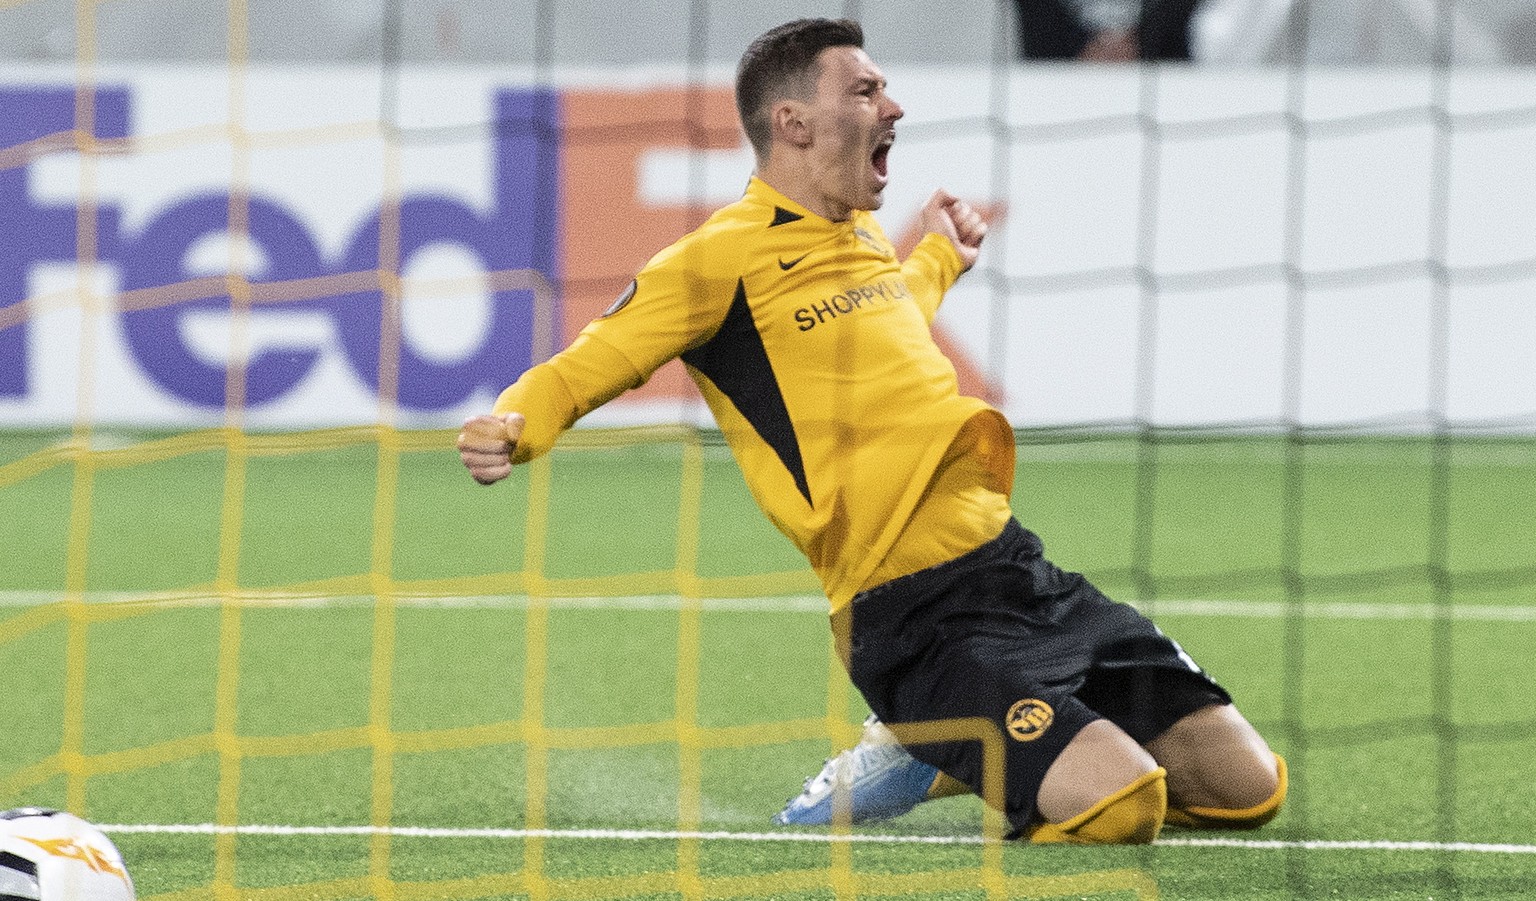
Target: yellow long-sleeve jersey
[811,343]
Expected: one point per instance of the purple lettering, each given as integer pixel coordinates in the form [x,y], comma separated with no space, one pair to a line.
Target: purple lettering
[520,232]
[32,233]
[157,256]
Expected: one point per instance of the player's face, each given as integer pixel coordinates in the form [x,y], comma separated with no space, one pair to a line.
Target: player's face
[852,126]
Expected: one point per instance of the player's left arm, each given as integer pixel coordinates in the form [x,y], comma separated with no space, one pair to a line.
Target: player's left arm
[953,232]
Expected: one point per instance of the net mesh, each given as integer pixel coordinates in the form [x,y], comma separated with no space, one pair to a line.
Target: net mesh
[313,631]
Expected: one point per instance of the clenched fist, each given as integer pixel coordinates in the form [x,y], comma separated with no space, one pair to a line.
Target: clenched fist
[487,443]
[948,215]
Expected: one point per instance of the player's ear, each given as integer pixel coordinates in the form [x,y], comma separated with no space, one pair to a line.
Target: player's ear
[791,123]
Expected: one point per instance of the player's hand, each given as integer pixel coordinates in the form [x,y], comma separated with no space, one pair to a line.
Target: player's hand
[487,443]
[948,215]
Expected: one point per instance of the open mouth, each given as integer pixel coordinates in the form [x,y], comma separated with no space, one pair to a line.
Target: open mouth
[881,157]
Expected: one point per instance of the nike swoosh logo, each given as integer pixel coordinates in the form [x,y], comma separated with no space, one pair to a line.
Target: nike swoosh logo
[792,263]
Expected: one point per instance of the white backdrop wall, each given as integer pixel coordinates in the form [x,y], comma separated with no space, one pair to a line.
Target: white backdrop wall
[1179,246]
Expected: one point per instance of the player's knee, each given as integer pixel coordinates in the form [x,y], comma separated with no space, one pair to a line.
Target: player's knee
[1252,817]
[1131,816]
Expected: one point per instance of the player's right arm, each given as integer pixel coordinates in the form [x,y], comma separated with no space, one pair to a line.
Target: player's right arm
[676,304]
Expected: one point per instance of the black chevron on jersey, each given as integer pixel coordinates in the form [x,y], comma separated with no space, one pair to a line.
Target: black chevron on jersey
[782,216]
[737,363]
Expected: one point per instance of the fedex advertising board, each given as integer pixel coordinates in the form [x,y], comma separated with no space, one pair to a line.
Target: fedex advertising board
[317,247]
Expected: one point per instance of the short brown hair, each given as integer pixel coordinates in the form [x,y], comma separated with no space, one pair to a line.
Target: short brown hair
[782,62]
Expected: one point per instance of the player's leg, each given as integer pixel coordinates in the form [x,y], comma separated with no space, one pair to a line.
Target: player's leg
[1099,761]
[1104,788]
[1069,775]
[996,634]
[1221,772]
[1082,780]
[881,780]
[876,779]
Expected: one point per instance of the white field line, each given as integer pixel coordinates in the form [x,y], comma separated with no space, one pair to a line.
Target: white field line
[803,837]
[1210,607]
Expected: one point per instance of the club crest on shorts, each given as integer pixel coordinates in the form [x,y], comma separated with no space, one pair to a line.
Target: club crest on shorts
[1028,719]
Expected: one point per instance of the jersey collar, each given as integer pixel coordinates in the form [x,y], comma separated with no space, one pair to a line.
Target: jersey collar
[760,191]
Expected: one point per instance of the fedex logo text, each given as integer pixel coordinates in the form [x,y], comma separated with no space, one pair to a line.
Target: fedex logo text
[519,231]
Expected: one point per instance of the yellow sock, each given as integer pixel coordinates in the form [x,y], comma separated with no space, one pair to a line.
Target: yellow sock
[1244,818]
[1131,816]
[946,787]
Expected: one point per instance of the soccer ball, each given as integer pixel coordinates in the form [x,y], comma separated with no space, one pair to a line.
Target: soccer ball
[47,855]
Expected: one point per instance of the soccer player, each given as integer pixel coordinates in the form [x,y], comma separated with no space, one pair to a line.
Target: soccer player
[810,342]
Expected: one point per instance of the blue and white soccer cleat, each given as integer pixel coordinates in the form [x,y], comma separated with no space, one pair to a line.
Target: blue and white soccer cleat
[877,779]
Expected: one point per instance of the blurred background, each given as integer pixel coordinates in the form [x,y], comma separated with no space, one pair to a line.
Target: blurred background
[1338,32]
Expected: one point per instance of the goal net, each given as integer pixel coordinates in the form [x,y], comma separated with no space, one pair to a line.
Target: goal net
[1263,333]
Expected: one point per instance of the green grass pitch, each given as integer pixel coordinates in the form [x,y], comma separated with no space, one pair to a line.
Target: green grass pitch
[1300,574]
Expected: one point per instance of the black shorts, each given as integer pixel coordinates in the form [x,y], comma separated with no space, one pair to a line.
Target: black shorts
[1001,633]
